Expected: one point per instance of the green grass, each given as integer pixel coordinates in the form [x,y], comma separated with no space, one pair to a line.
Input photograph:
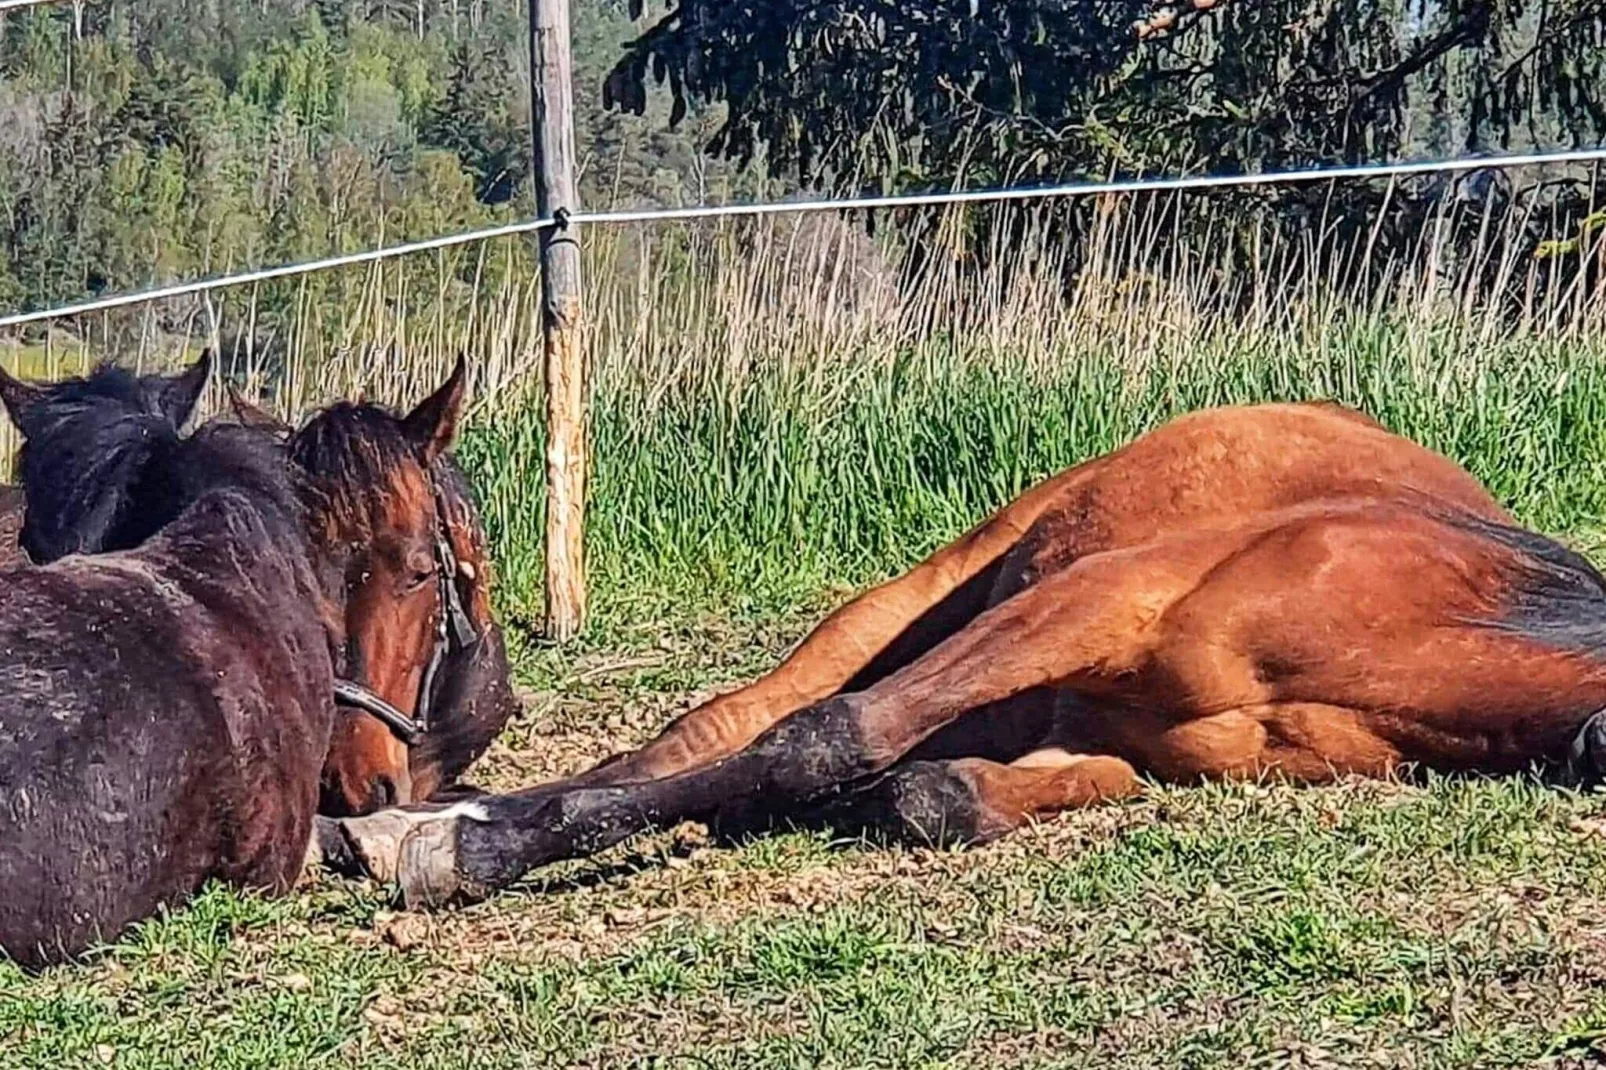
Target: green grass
[1458,924]
[749,498]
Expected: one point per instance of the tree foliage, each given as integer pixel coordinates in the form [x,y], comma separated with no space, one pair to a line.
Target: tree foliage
[994,90]
[852,95]
[147,140]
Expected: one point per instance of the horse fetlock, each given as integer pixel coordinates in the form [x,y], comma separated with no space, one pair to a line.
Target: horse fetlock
[932,803]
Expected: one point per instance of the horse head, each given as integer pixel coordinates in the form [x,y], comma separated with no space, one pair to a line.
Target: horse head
[426,680]
[90,452]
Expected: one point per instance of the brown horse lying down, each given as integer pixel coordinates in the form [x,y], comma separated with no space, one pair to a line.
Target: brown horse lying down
[1284,589]
[167,707]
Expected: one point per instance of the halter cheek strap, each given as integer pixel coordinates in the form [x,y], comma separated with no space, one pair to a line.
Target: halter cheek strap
[454,632]
[352,694]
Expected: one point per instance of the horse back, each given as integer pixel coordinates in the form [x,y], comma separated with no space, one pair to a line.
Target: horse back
[1218,468]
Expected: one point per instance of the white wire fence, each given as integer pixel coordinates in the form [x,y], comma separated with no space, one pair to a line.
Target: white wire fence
[833,204]
[565,218]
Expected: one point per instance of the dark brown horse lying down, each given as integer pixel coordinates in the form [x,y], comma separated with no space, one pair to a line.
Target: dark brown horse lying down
[167,705]
[1283,589]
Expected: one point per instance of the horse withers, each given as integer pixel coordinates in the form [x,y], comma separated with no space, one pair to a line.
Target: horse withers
[1279,589]
[166,712]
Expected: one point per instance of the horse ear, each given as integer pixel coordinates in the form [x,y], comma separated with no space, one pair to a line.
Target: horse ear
[252,415]
[20,399]
[433,425]
[179,394]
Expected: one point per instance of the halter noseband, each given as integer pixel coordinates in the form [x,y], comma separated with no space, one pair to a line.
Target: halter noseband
[454,632]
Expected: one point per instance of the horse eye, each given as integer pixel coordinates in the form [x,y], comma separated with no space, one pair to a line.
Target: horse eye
[420,570]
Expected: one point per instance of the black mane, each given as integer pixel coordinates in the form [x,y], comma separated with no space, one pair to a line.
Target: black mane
[222,455]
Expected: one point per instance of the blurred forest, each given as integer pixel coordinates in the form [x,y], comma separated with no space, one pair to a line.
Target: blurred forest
[147,140]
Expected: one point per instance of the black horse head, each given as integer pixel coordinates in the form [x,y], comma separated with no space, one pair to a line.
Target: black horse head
[89,453]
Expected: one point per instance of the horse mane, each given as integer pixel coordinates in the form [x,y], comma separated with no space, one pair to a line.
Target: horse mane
[104,466]
[222,455]
[90,442]
[357,467]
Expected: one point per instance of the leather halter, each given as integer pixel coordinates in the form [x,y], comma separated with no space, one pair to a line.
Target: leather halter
[454,632]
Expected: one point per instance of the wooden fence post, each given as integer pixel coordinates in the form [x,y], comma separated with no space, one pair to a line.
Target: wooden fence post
[552,110]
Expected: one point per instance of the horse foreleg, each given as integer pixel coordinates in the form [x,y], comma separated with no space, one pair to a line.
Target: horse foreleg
[1087,623]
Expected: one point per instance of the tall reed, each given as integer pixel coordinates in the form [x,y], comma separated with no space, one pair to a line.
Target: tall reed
[781,404]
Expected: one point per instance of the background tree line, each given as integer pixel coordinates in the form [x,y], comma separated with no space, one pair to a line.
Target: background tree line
[145,140]
[149,139]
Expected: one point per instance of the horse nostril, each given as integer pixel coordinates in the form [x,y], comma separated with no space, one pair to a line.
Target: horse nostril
[383,792]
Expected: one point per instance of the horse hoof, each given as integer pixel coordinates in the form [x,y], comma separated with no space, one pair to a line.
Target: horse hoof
[1586,761]
[426,866]
[406,847]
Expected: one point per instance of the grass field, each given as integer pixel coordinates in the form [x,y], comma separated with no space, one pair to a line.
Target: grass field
[777,432]
[1453,923]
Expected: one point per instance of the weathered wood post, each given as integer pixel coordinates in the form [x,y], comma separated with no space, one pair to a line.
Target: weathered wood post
[552,110]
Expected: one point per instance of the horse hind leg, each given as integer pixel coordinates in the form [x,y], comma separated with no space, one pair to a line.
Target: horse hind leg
[971,800]
[872,637]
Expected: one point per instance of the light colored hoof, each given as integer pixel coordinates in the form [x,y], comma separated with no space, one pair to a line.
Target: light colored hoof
[427,865]
[376,841]
[416,849]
